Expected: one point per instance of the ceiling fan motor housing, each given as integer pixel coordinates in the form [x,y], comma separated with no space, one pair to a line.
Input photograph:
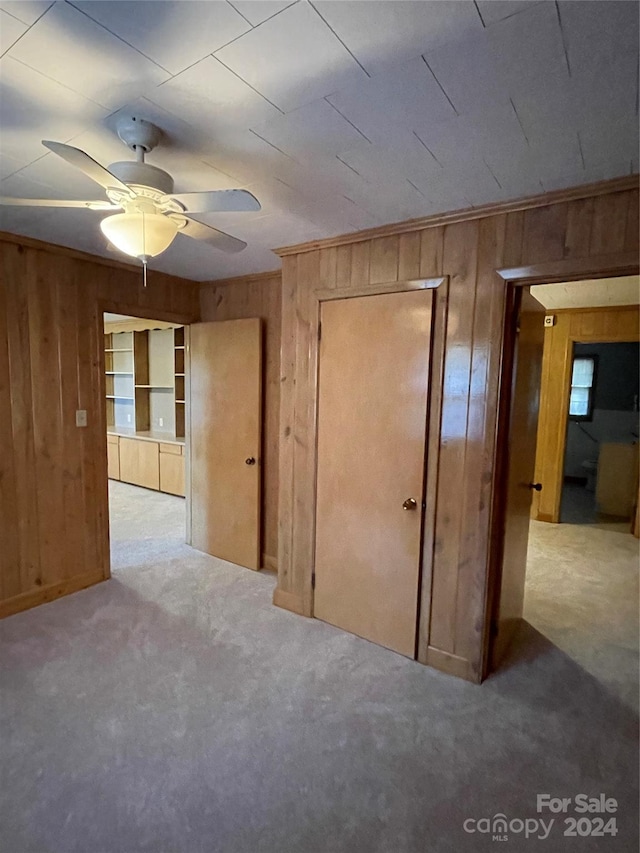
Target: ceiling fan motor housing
[143,175]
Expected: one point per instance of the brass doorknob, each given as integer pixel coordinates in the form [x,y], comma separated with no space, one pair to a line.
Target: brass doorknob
[250,461]
[410,503]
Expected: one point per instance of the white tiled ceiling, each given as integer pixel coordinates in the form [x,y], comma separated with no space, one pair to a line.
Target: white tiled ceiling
[337,115]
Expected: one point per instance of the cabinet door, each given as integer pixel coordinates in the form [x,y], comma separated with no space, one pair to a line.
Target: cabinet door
[148,465]
[113,458]
[139,463]
[172,473]
[129,460]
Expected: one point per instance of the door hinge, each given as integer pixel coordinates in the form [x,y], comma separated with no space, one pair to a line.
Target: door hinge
[319,330]
[313,580]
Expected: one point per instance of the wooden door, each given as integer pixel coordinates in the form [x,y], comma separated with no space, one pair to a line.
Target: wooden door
[526,370]
[225,432]
[372,415]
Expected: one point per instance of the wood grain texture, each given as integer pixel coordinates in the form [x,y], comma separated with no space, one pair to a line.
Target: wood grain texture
[224,439]
[171,470]
[241,298]
[557,242]
[528,336]
[53,475]
[374,362]
[601,325]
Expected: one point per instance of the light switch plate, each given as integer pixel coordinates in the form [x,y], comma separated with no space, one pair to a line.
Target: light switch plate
[81,417]
[550,320]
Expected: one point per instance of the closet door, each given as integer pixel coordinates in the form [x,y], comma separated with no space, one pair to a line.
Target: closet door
[372,416]
[225,439]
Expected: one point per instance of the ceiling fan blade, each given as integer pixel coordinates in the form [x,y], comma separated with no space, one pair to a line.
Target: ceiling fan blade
[217,201]
[91,168]
[58,202]
[222,241]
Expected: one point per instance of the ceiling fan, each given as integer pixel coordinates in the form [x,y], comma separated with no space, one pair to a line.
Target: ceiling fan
[152,214]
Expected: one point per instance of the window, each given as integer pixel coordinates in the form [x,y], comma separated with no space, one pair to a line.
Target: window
[582,386]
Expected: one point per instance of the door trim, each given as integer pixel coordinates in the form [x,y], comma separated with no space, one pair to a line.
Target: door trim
[567,269]
[438,331]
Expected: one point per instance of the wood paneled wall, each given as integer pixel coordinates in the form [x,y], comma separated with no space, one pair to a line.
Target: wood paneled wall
[468,250]
[236,299]
[582,326]
[53,475]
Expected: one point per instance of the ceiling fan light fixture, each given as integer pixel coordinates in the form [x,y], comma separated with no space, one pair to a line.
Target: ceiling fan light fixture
[141,235]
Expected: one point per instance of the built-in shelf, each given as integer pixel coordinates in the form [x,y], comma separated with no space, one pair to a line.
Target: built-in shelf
[156,387]
[141,385]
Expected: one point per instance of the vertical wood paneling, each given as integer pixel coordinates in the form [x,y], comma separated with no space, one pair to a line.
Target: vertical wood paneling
[304,506]
[343,266]
[609,227]
[25,510]
[632,233]
[469,252]
[513,241]
[431,252]
[360,260]
[243,299]
[578,233]
[544,233]
[53,489]
[328,267]
[286,487]
[72,438]
[47,416]
[481,423]
[384,260]
[10,551]
[409,256]
[460,257]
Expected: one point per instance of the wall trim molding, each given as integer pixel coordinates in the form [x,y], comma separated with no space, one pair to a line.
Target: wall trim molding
[58,249]
[244,279]
[627,182]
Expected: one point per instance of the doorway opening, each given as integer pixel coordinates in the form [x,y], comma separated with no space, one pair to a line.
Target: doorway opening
[145,379]
[601,448]
[568,576]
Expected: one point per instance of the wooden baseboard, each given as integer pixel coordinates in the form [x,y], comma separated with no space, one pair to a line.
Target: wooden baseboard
[451,664]
[34,597]
[269,562]
[289,601]
[544,516]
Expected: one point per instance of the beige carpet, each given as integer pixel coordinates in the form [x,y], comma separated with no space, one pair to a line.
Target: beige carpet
[582,594]
[173,709]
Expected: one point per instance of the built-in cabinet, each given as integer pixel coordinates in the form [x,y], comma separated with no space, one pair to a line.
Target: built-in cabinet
[145,404]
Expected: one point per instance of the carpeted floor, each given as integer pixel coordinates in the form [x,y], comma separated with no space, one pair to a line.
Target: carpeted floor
[173,708]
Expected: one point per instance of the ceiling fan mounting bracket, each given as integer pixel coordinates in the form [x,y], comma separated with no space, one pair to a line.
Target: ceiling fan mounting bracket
[137,133]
